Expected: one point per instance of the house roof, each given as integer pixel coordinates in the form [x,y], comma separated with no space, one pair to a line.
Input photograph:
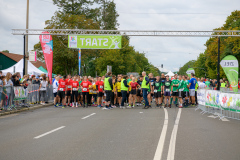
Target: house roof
[18,57]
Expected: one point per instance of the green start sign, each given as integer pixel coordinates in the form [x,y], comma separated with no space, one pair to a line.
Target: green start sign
[95,41]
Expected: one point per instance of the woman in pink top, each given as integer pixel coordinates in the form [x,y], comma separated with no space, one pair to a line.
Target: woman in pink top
[132,97]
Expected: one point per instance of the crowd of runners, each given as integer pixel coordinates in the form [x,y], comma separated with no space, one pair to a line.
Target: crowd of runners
[124,91]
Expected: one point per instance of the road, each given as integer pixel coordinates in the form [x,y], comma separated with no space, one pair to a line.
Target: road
[119,134]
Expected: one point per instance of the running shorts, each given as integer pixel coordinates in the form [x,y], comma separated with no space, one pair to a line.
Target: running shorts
[100,94]
[167,93]
[192,92]
[185,94]
[175,94]
[134,92]
[119,94]
[61,94]
[68,93]
[157,94]
[139,93]
[108,95]
[180,94]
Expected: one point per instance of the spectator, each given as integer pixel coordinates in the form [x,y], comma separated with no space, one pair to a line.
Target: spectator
[4,97]
[43,89]
[0,73]
[9,87]
[36,81]
[16,81]
[1,90]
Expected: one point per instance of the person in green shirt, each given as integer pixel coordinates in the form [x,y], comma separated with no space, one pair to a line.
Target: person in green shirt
[196,88]
[167,91]
[174,93]
[157,91]
[180,90]
[185,90]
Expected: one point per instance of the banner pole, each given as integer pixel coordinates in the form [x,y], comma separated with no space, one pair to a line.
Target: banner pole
[79,62]
[218,66]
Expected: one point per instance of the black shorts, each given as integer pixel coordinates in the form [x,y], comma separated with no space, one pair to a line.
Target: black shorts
[139,93]
[185,94]
[79,93]
[119,94]
[180,94]
[175,94]
[61,94]
[134,92]
[100,94]
[68,93]
[55,94]
[152,94]
[108,95]
[157,94]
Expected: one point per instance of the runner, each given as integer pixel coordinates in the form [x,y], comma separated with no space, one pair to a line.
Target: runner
[62,90]
[201,84]
[185,90]
[85,90]
[55,90]
[192,84]
[119,94]
[180,90]
[139,93]
[157,91]
[145,87]
[175,83]
[129,79]
[69,90]
[80,91]
[124,90]
[113,91]
[108,90]
[162,79]
[167,91]
[75,86]
[90,94]
[99,86]
[151,81]
[134,87]
[196,87]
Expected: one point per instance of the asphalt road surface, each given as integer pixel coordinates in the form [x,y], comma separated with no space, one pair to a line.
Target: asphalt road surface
[118,134]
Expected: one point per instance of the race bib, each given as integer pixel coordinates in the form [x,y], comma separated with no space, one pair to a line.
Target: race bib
[139,88]
[152,83]
[84,89]
[61,89]
[180,90]
[74,89]
[167,90]
[155,90]
[101,87]
[69,86]
[90,91]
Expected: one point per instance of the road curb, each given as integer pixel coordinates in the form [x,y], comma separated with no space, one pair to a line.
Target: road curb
[26,109]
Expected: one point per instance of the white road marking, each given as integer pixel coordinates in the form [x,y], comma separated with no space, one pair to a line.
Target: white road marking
[49,132]
[211,116]
[159,150]
[225,119]
[140,112]
[88,116]
[171,150]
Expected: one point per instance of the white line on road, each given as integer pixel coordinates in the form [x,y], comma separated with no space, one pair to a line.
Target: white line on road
[88,116]
[49,132]
[171,150]
[158,153]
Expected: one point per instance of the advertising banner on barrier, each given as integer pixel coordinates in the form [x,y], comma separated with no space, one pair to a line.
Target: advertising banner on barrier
[230,67]
[20,93]
[217,99]
[95,41]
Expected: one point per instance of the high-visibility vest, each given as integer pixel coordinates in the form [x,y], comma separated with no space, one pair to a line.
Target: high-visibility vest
[107,86]
[144,83]
[123,87]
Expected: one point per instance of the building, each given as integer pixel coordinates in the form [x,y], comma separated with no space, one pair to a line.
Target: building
[9,59]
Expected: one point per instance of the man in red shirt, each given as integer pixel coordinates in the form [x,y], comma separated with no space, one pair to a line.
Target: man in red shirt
[62,90]
[75,86]
[85,90]
[99,86]
[132,97]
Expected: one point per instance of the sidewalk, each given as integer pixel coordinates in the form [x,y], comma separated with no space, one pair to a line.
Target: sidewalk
[2,113]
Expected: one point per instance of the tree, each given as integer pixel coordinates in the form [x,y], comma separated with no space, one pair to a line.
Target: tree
[199,66]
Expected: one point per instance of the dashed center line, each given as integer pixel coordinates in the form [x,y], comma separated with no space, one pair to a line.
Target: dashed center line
[89,116]
[44,134]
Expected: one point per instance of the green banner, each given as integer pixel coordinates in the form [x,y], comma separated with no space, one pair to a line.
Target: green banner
[95,41]
[230,67]
[189,71]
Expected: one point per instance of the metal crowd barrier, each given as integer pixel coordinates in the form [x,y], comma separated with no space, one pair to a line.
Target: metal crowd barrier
[18,96]
[221,104]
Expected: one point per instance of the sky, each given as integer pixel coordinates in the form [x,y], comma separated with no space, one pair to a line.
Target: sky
[171,15]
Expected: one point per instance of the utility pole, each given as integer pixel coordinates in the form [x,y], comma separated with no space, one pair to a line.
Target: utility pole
[218,66]
[25,68]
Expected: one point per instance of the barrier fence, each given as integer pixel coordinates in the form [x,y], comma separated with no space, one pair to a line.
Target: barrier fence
[19,96]
[223,103]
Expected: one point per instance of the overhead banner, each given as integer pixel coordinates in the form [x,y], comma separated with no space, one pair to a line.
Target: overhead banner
[95,41]
[47,48]
[189,71]
[230,67]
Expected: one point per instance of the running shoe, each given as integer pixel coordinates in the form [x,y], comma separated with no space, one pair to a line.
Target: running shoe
[106,108]
[180,107]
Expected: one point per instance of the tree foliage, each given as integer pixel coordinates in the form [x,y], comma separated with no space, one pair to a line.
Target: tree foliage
[228,46]
[183,69]
[80,14]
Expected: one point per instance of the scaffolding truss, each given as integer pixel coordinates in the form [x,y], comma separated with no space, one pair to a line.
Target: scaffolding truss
[63,32]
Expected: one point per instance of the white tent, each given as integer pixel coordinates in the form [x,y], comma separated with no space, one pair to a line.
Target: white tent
[32,70]
[170,74]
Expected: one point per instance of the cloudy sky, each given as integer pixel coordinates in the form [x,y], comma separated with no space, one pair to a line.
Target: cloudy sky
[172,52]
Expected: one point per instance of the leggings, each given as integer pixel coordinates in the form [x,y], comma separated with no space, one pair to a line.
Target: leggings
[74,94]
[89,98]
[124,97]
[85,95]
